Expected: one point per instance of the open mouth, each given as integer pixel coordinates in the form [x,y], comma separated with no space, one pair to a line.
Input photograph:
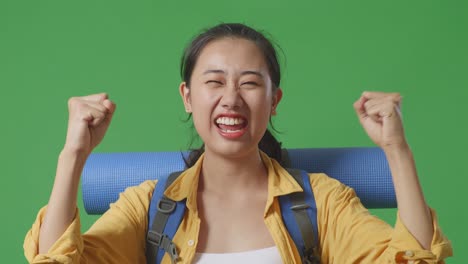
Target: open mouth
[231,124]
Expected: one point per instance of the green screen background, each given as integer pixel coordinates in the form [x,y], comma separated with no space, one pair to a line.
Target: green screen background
[52,50]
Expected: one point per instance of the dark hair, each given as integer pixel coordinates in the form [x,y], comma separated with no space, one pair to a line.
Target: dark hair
[268,143]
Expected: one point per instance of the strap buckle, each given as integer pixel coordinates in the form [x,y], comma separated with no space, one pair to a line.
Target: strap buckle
[163,241]
[166,206]
[311,256]
[155,238]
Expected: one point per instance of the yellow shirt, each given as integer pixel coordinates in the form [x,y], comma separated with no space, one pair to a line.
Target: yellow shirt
[348,232]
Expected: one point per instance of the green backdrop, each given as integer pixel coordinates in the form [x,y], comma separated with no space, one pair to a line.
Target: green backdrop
[51,50]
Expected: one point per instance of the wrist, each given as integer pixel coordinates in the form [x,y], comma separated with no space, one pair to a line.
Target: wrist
[397,156]
[69,168]
[72,161]
[397,148]
[77,153]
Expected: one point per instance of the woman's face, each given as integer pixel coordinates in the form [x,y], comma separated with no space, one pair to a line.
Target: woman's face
[230,96]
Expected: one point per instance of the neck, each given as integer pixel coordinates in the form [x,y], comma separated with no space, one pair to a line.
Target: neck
[232,174]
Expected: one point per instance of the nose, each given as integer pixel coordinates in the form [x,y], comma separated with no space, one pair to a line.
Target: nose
[231,98]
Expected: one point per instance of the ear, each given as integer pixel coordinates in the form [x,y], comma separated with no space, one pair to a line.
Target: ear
[184,91]
[276,99]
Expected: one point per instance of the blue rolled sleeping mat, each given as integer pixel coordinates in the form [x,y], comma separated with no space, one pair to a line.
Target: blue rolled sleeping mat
[365,169]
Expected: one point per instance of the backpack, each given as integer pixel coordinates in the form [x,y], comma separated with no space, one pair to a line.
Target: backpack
[299,213]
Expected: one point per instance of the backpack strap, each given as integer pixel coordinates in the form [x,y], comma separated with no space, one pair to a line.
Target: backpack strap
[299,213]
[165,216]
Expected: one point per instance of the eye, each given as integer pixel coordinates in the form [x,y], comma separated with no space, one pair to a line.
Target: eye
[250,84]
[214,82]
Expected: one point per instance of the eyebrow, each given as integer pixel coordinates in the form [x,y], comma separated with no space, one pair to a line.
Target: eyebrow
[242,73]
[213,71]
[259,74]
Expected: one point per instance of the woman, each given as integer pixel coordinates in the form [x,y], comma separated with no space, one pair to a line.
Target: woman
[230,86]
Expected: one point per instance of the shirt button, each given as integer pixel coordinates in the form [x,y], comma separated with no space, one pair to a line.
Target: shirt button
[409,253]
[191,242]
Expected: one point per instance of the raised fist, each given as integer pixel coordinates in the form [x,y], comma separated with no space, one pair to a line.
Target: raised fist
[89,118]
[380,116]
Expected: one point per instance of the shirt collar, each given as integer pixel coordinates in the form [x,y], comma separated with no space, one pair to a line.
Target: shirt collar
[280,182]
[186,185]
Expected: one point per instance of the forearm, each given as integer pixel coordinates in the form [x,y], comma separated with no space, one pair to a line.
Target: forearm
[63,199]
[412,206]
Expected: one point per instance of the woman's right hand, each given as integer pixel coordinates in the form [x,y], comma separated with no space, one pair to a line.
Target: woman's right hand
[89,118]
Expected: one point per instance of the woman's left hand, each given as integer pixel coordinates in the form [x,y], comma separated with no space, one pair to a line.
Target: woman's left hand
[380,116]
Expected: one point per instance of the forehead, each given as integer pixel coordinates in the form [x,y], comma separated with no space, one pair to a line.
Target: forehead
[231,55]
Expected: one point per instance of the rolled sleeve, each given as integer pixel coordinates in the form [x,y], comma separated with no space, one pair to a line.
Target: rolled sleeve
[349,233]
[118,236]
[406,249]
[65,250]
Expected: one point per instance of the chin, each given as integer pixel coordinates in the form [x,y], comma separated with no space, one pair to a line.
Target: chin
[231,149]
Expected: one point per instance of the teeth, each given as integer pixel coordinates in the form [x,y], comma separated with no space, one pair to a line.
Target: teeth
[230,131]
[229,121]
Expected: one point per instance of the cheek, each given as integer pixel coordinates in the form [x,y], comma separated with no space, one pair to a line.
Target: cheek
[201,124]
[261,110]
[202,106]
[203,98]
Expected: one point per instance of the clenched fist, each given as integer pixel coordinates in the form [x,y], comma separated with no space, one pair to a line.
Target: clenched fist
[89,118]
[380,116]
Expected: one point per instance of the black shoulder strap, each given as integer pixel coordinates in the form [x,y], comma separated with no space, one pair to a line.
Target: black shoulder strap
[156,237]
[301,205]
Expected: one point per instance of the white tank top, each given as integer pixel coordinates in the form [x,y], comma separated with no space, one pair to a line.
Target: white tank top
[266,255]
